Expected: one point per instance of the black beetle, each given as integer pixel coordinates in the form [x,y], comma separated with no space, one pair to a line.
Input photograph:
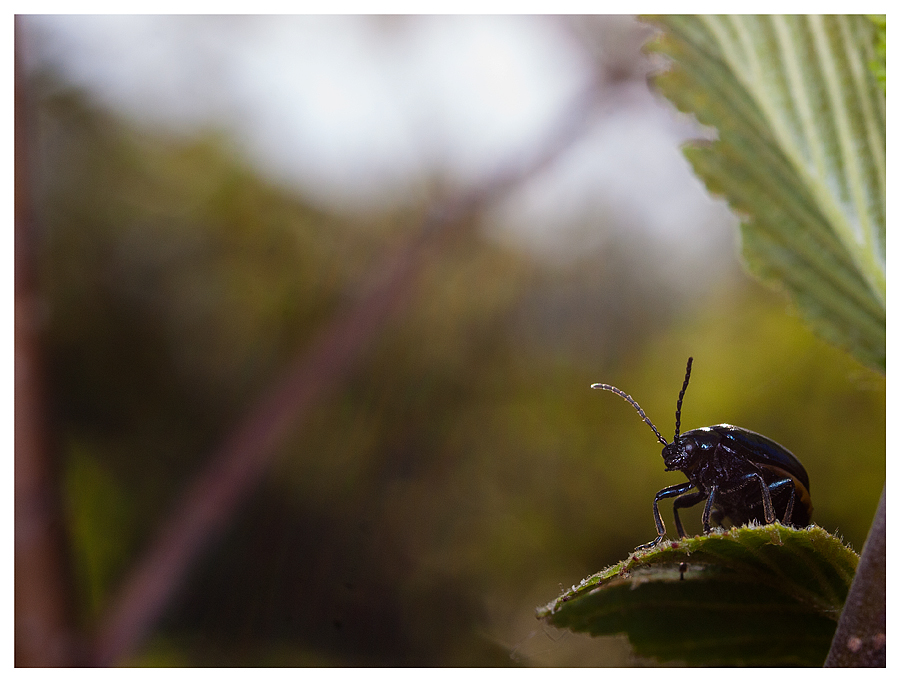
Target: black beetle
[742,475]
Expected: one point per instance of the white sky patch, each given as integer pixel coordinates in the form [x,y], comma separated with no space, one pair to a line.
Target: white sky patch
[348,108]
[355,112]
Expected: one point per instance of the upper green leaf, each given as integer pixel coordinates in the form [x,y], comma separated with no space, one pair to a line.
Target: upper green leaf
[757,595]
[800,155]
[879,64]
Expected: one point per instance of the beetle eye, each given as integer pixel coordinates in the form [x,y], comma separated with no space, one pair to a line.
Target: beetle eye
[689,447]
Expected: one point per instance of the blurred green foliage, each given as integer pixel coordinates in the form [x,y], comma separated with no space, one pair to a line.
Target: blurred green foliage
[422,512]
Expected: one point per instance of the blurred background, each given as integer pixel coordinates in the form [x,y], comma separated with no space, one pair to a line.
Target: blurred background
[213,196]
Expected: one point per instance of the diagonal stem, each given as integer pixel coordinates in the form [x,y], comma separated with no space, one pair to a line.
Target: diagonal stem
[44,629]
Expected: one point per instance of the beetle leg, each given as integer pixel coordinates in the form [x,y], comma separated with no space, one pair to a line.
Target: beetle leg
[765,490]
[671,491]
[789,510]
[768,509]
[708,508]
[687,500]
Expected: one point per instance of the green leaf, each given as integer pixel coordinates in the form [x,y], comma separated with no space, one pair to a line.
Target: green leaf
[878,66]
[754,595]
[800,156]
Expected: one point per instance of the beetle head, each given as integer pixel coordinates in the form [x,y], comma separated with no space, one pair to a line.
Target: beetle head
[681,454]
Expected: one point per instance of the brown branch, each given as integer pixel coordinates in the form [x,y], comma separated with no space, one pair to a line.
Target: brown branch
[44,632]
[861,637]
[211,500]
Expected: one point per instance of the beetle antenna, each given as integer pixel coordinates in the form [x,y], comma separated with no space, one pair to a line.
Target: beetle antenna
[687,377]
[623,394]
